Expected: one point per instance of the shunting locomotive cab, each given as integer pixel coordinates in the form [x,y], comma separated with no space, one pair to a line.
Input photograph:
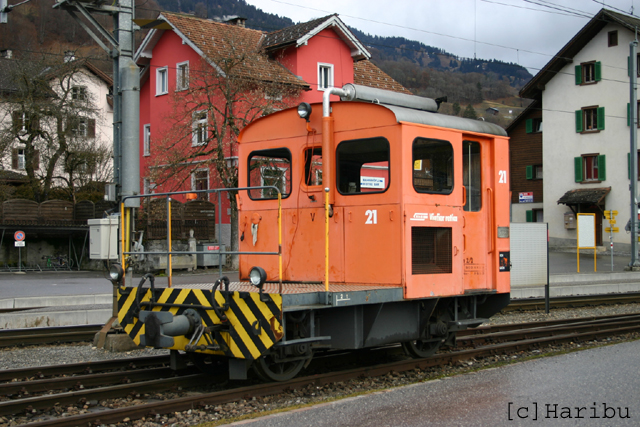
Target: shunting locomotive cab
[391,224]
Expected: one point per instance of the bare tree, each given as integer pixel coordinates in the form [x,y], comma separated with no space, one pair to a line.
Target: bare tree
[48,120]
[202,132]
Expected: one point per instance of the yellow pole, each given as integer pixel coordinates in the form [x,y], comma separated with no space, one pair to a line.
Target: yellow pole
[169,266]
[326,239]
[122,236]
[280,241]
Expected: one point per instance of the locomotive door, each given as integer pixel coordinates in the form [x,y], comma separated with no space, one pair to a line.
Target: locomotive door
[478,211]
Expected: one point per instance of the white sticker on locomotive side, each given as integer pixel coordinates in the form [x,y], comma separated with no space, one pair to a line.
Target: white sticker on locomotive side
[433,217]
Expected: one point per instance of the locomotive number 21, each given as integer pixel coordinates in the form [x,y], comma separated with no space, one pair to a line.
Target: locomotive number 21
[372,216]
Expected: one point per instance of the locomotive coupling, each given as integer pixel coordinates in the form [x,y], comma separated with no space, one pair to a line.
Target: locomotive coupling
[162,326]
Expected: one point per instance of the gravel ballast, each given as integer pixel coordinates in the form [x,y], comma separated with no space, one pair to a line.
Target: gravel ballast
[14,358]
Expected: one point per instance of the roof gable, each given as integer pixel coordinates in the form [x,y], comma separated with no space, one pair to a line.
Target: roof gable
[565,56]
[299,35]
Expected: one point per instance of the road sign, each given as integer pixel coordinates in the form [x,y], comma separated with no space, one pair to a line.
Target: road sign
[19,236]
[19,243]
[611,229]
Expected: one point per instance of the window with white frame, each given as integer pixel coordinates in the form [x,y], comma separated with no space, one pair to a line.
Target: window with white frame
[162,81]
[325,76]
[148,186]
[182,75]
[146,139]
[199,128]
[21,159]
[200,181]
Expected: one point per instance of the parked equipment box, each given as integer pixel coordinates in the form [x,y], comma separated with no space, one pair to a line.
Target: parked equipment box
[210,257]
[103,238]
[569,221]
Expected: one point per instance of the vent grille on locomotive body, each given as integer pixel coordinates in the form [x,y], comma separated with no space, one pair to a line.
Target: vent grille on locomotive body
[418,247]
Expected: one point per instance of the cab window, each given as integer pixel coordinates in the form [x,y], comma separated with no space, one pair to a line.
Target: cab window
[363,166]
[270,168]
[313,166]
[432,166]
[471,175]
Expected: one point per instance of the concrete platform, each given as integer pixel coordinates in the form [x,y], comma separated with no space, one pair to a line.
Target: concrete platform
[76,298]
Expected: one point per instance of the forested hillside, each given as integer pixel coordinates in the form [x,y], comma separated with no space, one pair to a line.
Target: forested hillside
[425,70]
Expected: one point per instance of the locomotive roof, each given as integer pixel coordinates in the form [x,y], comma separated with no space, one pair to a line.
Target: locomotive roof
[411,115]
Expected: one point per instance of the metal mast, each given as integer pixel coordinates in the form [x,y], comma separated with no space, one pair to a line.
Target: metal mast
[126,85]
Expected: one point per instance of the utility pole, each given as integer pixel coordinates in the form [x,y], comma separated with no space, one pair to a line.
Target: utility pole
[633,152]
[126,85]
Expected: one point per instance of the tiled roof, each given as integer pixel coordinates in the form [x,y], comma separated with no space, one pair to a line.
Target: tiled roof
[367,74]
[290,35]
[215,40]
[11,176]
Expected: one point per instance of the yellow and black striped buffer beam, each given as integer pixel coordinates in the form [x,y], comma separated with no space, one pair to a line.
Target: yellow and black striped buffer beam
[252,326]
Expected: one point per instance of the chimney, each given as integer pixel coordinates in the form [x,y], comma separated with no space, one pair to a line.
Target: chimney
[6,53]
[235,20]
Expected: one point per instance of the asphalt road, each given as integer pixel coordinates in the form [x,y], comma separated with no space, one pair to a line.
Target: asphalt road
[597,387]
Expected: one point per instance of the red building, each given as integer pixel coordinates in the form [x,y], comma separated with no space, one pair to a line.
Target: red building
[185,57]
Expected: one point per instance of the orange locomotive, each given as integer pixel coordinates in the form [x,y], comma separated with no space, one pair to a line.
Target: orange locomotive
[362,222]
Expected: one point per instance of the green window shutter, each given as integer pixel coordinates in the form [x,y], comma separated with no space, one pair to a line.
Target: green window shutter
[602,168]
[577,168]
[530,216]
[530,172]
[601,118]
[598,68]
[529,125]
[578,74]
[578,121]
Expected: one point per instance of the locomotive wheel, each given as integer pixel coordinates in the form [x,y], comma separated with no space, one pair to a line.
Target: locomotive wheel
[420,349]
[269,370]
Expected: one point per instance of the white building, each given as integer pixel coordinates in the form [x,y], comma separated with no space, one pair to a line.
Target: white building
[584,94]
[89,84]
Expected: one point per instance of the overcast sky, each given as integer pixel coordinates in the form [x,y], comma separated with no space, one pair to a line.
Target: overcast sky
[527,32]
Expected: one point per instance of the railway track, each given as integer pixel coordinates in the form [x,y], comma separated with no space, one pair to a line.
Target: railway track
[485,342]
[50,335]
[573,301]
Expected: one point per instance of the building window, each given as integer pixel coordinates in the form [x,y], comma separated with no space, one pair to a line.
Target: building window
[534,125]
[148,186]
[534,172]
[79,93]
[590,119]
[162,81]
[199,128]
[535,215]
[588,73]
[182,75]
[590,168]
[629,165]
[21,159]
[612,37]
[200,181]
[146,139]
[325,76]
[82,127]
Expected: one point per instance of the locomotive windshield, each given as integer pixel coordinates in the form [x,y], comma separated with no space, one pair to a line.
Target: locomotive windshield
[270,168]
[363,166]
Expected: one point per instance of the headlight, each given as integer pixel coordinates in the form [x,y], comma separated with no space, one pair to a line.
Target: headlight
[304,111]
[257,276]
[116,272]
